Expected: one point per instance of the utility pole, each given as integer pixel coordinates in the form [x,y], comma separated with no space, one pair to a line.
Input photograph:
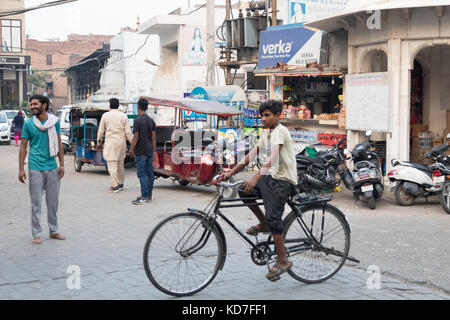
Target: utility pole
[274,12]
[210,43]
[228,51]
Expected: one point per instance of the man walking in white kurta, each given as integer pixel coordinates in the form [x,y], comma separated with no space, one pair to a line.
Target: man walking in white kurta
[114,124]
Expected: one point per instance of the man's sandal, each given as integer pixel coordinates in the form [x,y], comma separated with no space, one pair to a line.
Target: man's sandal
[254,230]
[275,274]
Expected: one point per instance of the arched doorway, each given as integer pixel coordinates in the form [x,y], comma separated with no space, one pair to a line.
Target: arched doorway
[430,99]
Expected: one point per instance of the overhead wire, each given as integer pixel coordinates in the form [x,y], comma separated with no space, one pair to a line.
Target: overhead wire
[41,6]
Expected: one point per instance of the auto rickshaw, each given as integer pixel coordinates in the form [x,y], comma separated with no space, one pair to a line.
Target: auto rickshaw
[84,123]
[191,156]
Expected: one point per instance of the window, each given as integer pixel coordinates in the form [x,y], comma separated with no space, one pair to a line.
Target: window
[49,60]
[11,114]
[49,89]
[11,35]
[2,118]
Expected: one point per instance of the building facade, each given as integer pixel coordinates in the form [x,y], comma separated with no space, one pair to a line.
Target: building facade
[129,71]
[14,57]
[182,40]
[53,57]
[410,42]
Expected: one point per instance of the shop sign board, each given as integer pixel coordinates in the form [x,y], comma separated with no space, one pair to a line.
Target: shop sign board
[301,11]
[293,46]
[12,60]
[368,101]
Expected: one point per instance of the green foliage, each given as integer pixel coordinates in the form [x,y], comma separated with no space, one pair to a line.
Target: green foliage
[38,79]
[23,107]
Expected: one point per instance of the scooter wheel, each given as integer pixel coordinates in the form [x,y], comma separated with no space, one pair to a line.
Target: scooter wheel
[444,197]
[402,197]
[371,202]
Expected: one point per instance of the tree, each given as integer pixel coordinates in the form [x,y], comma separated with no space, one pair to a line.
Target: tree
[38,80]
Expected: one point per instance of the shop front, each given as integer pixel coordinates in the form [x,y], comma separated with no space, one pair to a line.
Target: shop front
[408,58]
[13,80]
[312,95]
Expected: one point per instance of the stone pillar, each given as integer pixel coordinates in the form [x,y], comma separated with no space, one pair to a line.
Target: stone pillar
[394,68]
[353,137]
[405,102]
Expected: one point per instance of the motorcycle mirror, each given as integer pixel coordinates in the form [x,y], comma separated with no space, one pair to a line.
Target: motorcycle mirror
[346,151]
[368,133]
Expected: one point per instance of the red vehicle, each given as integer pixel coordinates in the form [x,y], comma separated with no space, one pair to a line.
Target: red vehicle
[191,156]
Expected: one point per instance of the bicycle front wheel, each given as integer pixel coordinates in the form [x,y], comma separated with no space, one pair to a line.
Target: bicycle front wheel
[317,259]
[183,254]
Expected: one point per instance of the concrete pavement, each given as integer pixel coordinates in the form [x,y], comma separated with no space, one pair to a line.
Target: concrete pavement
[106,236]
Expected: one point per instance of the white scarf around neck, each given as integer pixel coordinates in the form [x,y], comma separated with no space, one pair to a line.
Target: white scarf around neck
[50,127]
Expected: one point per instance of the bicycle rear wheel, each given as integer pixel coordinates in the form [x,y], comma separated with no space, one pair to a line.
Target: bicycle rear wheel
[314,262]
[182,255]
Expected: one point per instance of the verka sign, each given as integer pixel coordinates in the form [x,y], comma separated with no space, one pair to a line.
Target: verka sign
[293,46]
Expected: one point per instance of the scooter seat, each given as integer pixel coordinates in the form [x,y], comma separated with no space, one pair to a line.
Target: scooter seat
[420,167]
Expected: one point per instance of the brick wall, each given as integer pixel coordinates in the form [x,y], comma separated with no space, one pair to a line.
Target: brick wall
[63,54]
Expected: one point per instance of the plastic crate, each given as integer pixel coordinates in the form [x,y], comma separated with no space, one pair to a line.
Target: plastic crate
[329,139]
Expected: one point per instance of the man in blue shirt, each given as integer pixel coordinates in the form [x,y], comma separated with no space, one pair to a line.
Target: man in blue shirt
[42,132]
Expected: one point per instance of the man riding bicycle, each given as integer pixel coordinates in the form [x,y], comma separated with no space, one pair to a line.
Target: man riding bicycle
[274,182]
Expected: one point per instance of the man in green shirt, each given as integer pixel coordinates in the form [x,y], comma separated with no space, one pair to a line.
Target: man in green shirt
[42,132]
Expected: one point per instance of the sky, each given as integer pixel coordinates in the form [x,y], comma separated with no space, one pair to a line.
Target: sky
[95,16]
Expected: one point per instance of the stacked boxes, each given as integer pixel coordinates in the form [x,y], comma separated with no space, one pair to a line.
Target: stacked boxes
[416,150]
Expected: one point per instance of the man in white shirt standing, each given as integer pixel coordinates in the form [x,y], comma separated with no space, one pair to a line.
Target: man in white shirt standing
[114,124]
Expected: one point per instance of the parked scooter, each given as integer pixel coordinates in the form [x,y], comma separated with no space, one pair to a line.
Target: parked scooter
[367,176]
[411,180]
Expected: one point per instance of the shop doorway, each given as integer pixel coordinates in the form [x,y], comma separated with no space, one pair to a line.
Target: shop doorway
[416,113]
[430,100]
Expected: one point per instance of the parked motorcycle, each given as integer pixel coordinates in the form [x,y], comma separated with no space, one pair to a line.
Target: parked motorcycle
[367,176]
[325,171]
[411,180]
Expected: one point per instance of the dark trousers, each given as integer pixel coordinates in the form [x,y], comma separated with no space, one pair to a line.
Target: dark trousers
[145,174]
[275,194]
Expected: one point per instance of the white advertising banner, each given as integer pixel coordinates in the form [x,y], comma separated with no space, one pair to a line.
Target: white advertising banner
[302,11]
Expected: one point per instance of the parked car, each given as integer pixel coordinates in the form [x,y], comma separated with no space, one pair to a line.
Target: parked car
[5,134]
[64,118]
[64,122]
[10,114]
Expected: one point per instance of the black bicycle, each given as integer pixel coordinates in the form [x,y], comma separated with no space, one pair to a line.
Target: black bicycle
[185,251]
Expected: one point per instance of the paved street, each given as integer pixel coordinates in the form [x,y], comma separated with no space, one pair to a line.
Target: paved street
[106,235]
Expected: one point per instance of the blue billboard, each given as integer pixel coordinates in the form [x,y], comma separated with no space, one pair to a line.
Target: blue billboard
[293,46]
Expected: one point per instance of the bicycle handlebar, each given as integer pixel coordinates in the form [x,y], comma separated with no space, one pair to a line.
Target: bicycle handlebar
[218,182]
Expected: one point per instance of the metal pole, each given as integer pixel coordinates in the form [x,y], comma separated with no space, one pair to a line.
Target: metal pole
[274,12]
[228,50]
[210,41]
